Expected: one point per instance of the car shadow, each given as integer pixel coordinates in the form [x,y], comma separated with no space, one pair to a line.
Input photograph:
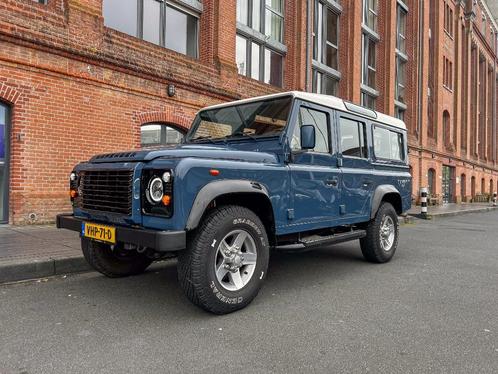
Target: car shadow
[157,294]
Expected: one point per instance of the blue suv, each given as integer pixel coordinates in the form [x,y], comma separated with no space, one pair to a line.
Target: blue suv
[289,171]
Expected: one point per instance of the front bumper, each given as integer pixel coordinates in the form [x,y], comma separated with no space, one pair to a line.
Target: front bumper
[162,241]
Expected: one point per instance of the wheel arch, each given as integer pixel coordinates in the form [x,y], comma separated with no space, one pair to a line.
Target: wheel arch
[249,194]
[387,193]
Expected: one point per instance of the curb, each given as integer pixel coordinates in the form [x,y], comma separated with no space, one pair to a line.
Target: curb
[32,269]
[452,214]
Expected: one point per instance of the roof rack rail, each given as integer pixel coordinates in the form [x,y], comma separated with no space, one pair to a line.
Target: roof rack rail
[360,110]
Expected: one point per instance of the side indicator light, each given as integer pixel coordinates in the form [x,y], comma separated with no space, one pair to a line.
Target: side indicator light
[73,194]
[214,172]
[166,200]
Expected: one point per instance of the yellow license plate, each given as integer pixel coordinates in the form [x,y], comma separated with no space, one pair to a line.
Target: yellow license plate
[98,232]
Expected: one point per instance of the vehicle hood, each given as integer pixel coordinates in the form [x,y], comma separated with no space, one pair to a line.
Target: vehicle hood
[219,152]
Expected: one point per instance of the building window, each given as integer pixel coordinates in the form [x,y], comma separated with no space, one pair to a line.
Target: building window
[400,113]
[325,75]
[401,29]
[448,19]
[164,23]
[265,16]
[259,52]
[40,1]
[369,61]
[446,128]
[447,74]
[370,11]
[368,100]
[157,134]
[258,62]
[483,24]
[324,84]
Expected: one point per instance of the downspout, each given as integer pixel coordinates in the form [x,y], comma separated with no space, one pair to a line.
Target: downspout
[420,88]
[420,69]
[306,76]
[494,100]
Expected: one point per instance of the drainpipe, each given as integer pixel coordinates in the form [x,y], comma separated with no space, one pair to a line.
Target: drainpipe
[420,69]
[494,100]
[308,47]
[420,88]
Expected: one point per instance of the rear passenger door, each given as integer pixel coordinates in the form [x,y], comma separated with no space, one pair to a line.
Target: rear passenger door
[315,175]
[357,181]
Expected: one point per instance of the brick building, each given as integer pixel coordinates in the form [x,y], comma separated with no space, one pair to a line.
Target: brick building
[79,77]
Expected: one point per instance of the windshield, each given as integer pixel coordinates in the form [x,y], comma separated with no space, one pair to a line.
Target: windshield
[258,118]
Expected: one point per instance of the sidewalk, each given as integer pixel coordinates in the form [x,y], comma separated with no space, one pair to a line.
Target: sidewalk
[28,252]
[446,210]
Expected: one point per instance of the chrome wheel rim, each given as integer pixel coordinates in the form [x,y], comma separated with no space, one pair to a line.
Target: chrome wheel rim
[387,233]
[235,260]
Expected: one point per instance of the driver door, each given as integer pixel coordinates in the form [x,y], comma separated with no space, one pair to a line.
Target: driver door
[315,177]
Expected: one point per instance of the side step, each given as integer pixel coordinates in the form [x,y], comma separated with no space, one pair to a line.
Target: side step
[317,240]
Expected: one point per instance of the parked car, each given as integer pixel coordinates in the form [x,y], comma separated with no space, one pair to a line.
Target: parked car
[289,171]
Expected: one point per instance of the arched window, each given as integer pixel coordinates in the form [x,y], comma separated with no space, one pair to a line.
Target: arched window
[431,180]
[446,128]
[483,186]
[157,134]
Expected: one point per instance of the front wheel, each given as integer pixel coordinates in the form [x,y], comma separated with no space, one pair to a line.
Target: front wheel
[226,260]
[381,240]
[116,261]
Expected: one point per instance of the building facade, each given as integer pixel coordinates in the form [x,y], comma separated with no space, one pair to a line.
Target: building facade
[80,77]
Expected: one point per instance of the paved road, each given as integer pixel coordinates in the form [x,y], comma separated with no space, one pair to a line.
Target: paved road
[434,308]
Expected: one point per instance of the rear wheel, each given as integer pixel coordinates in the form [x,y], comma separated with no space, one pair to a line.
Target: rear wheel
[116,261]
[226,260]
[381,241]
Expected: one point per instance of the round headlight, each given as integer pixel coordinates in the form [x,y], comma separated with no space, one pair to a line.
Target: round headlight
[166,177]
[155,190]
[73,177]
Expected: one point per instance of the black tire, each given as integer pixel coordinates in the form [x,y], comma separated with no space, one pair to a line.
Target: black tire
[371,246]
[113,264]
[196,264]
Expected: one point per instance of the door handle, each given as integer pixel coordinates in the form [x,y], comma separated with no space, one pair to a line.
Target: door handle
[332,182]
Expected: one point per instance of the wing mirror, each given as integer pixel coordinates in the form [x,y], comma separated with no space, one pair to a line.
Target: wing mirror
[308,137]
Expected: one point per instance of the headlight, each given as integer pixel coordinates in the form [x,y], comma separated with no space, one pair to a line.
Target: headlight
[155,190]
[73,177]
[166,177]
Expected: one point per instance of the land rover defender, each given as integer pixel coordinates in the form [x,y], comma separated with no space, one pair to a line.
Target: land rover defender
[289,171]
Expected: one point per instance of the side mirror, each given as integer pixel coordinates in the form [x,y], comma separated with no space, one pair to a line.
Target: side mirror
[308,137]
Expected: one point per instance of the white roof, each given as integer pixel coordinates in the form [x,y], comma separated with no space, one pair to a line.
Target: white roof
[325,100]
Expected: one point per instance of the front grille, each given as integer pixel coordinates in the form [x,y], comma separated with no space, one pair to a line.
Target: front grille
[107,190]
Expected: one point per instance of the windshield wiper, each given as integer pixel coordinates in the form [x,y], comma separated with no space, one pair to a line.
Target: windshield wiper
[208,137]
[242,134]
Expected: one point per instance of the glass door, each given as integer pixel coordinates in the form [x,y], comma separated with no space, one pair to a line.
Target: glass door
[4,162]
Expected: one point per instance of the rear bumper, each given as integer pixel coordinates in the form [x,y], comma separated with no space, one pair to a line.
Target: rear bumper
[162,241]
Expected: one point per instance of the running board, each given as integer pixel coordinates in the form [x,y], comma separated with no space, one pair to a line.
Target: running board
[317,240]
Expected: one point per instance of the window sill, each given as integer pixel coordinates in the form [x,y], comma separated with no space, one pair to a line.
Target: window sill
[369,90]
[261,38]
[402,55]
[370,33]
[326,69]
[448,89]
[334,5]
[400,104]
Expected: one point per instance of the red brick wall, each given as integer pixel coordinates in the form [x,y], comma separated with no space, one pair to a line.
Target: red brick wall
[78,88]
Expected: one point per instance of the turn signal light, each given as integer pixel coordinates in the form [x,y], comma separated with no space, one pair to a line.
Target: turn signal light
[73,194]
[214,172]
[166,200]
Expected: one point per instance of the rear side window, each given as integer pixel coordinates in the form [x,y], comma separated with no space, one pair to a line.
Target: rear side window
[353,138]
[388,144]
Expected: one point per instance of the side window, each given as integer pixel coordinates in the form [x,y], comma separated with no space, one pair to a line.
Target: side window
[353,138]
[307,116]
[388,144]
